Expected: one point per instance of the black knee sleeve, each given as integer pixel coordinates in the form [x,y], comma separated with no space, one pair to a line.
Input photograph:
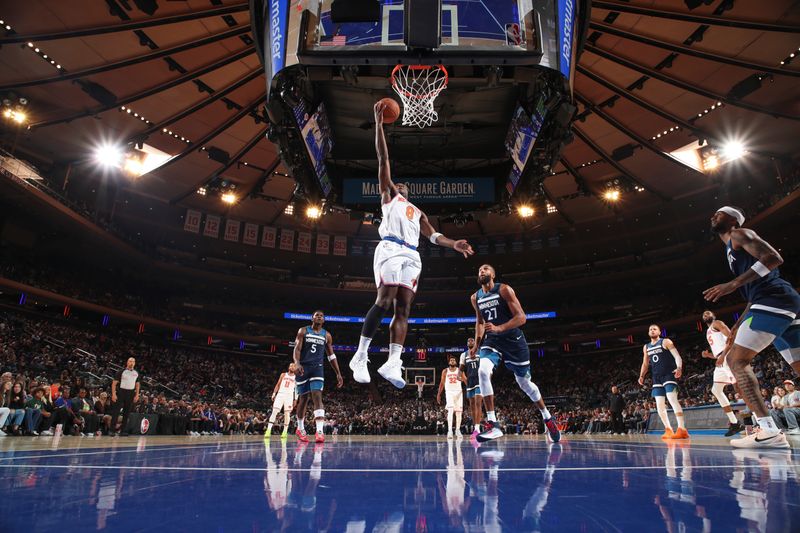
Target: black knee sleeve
[372,321]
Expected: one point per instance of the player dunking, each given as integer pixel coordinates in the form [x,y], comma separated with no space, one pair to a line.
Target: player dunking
[666,365]
[396,265]
[311,344]
[769,318]
[498,317]
[717,337]
[450,382]
[283,397]
[469,364]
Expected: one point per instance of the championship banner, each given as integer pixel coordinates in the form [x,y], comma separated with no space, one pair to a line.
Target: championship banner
[340,245]
[192,222]
[212,226]
[304,242]
[268,237]
[424,190]
[323,244]
[250,234]
[232,230]
[287,239]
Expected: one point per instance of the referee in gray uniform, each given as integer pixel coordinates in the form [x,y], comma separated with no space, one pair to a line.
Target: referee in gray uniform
[124,393]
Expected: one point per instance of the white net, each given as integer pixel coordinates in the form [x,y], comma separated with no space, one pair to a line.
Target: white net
[418,86]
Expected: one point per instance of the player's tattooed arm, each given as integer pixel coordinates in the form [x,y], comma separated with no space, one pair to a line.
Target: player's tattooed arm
[645,365]
[478,325]
[384,170]
[298,347]
[768,259]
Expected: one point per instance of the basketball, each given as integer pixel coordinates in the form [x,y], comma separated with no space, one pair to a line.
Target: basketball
[392,110]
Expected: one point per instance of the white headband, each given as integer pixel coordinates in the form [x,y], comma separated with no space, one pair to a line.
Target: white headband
[732,211]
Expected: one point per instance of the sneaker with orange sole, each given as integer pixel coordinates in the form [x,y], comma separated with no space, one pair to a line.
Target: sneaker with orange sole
[668,434]
[319,438]
[302,436]
[680,433]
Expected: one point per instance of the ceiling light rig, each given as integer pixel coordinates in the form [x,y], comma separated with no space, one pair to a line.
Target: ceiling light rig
[791,57]
[525,211]
[708,110]
[664,133]
[14,109]
[713,157]
[551,208]
[39,52]
[134,114]
[171,133]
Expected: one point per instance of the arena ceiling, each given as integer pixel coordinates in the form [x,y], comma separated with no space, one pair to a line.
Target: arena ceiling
[186,77]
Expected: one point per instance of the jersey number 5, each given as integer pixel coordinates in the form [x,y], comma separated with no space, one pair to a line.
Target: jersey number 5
[313,348]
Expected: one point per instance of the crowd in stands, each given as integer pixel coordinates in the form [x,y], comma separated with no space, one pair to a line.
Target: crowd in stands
[58,374]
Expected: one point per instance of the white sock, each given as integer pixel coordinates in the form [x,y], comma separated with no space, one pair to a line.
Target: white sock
[490,416]
[767,423]
[363,344]
[545,413]
[320,425]
[449,420]
[301,424]
[458,420]
[395,351]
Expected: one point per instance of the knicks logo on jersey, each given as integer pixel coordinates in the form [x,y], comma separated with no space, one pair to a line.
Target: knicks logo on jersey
[410,212]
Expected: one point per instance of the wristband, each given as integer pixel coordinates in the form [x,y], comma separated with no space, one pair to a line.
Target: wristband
[760,269]
[435,236]
[331,357]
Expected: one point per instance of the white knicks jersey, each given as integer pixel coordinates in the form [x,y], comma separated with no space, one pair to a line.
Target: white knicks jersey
[451,381]
[288,385]
[716,341]
[400,220]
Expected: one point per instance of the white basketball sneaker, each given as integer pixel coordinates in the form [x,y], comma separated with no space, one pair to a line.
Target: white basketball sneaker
[762,438]
[392,371]
[358,364]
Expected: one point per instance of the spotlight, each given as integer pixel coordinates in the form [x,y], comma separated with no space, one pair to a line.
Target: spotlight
[108,155]
[711,163]
[202,191]
[134,163]
[229,198]
[289,209]
[612,195]
[17,116]
[313,212]
[733,150]
[525,211]
[551,208]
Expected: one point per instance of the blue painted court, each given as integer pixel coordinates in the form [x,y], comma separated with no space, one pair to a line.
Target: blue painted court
[358,484]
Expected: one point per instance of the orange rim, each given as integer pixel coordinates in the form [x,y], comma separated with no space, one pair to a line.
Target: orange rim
[418,67]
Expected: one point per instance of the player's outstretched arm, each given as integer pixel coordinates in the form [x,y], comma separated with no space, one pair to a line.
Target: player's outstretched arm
[384,170]
[479,325]
[435,237]
[768,260]
[669,345]
[332,359]
[720,326]
[645,366]
[298,348]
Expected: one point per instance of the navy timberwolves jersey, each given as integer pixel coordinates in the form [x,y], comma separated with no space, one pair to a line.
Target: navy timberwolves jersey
[471,370]
[313,352]
[661,360]
[493,307]
[771,290]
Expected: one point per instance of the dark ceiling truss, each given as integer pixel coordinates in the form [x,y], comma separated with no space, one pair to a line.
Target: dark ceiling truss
[198,106]
[153,90]
[232,160]
[699,19]
[698,132]
[126,26]
[580,182]
[686,50]
[619,168]
[213,133]
[254,190]
[131,61]
[685,85]
[643,141]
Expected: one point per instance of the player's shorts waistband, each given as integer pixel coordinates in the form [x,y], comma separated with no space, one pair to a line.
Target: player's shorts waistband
[398,240]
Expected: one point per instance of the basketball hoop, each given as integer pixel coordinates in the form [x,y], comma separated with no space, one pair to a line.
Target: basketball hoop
[420,382]
[418,86]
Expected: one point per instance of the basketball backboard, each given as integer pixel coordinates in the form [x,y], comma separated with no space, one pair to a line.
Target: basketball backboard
[469,29]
